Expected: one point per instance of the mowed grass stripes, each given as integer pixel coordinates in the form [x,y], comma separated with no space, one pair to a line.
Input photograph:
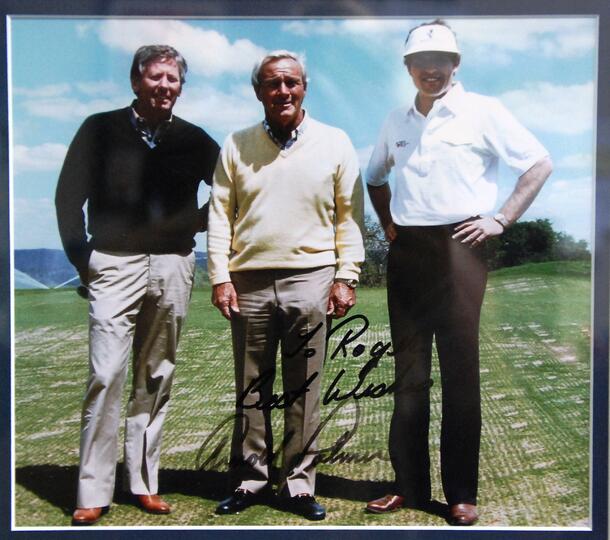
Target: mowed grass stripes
[535,377]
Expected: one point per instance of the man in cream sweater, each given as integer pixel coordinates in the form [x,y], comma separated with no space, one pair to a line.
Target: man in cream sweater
[284,249]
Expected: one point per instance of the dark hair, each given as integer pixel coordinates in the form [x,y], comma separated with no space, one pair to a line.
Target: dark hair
[148,53]
[455,58]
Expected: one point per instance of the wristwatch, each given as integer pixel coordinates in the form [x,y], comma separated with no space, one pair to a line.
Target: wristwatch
[351,283]
[501,219]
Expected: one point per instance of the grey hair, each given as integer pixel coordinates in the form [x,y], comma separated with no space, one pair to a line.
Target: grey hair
[277,55]
[148,53]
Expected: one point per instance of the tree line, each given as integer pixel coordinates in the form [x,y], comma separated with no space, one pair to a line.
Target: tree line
[523,242]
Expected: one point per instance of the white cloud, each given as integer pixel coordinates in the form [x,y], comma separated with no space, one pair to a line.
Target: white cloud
[375,28]
[331,87]
[62,89]
[94,88]
[569,192]
[387,34]
[576,161]
[220,111]
[307,28]
[46,91]
[73,101]
[567,110]
[207,52]
[44,157]
[568,203]
[553,36]
[491,39]
[83,29]
[69,109]
[368,28]
[364,155]
[35,224]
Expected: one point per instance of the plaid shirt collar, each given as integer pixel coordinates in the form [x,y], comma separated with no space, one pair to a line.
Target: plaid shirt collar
[294,134]
[150,137]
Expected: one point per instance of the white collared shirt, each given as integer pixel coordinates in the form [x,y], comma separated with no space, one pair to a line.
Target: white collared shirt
[446,164]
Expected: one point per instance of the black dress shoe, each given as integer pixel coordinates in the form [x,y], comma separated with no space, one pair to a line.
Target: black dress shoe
[305,505]
[240,500]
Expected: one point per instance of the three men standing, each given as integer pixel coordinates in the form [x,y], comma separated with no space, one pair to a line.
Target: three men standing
[284,249]
[444,150]
[138,169]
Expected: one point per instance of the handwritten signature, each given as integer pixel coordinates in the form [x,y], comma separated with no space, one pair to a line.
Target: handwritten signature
[359,391]
[212,453]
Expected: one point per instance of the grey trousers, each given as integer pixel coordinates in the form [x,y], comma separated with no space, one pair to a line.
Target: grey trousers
[278,307]
[137,304]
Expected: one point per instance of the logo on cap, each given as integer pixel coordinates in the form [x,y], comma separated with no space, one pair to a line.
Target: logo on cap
[433,37]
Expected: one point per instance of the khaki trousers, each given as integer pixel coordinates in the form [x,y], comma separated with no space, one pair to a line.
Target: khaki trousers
[278,307]
[137,304]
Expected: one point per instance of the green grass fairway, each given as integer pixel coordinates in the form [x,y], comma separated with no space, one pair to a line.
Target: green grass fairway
[535,368]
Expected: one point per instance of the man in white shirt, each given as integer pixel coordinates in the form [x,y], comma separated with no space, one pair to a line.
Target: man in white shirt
[444,151]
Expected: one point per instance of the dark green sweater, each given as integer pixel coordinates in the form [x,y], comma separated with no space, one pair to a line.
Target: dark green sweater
[139,199]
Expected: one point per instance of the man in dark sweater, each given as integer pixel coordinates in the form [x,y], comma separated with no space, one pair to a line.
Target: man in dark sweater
[138,170]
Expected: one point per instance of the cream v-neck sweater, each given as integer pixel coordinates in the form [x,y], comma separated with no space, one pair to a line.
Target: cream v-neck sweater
[296,208]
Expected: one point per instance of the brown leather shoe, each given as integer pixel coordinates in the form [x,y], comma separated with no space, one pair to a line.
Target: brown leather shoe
[463,514]
[86,516]
[389,503]
[153,504]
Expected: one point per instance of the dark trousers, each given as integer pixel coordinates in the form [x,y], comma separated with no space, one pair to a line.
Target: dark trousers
[435,290]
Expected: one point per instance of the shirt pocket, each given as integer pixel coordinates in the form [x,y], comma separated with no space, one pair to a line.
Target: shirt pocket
[457,144]
[456,133]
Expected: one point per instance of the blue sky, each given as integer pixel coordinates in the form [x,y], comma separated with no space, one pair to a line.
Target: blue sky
[62,70]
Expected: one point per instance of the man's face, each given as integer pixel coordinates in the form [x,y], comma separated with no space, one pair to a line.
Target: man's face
[281,91]
[432,72]
[158,88]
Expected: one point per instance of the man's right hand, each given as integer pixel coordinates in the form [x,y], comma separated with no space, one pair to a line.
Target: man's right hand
[84,277]
[390,232]
[380,197]
[83,289]
[224,298]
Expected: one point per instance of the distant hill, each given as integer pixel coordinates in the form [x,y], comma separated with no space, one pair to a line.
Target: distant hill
[48,266]
[35,268]
[201,259]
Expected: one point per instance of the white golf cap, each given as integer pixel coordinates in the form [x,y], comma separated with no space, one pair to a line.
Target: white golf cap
[431,37]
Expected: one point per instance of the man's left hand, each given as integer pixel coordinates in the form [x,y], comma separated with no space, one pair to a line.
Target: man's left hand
[475,232]
[340,300]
